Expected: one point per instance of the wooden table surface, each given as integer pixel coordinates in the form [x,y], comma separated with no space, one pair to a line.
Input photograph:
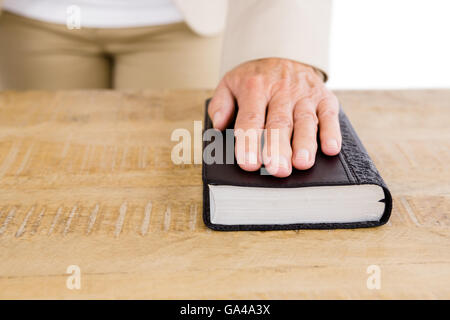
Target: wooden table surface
[86,179]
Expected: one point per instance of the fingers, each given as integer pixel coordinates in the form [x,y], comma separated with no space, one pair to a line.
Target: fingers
[304,143]
[221,107]
[249,125]
[330,133]
[277,152]
[285,117]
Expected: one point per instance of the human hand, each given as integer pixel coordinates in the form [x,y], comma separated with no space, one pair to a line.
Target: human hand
[296,101]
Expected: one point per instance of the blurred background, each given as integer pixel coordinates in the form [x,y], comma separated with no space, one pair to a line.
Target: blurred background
[389,44]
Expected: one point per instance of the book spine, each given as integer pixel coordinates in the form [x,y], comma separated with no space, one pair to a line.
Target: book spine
[355,155]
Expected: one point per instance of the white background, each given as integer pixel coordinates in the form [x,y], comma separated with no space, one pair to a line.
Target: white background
[392,44]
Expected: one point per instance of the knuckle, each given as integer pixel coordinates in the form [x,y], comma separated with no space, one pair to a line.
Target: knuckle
[282,86]
[317,91]
[306,102]
[305,115]
[254,82]
[279,120]
[329,112]
[312,94]
[252,117]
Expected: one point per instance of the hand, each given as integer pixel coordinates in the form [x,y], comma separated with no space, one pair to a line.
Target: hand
[296,101]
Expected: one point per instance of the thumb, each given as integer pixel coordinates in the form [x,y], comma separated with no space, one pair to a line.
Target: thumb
[221,107]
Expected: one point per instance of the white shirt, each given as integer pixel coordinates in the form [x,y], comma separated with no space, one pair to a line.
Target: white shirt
[98,13]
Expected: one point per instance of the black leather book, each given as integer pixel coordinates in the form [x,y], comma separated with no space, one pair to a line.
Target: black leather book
[343,191]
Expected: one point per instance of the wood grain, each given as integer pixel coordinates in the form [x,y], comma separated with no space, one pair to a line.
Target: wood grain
[86,179]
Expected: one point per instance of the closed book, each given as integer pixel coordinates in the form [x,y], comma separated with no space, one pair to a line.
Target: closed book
[343,191]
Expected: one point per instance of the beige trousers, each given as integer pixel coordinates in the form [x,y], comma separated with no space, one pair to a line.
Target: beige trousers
[40,55]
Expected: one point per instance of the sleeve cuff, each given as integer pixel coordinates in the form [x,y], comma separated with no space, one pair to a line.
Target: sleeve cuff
[297,30]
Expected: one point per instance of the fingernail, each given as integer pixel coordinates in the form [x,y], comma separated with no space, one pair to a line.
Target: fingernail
[332,144]
[216,118]
[302,156]
[251,157]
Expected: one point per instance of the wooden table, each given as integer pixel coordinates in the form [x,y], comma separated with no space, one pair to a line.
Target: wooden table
[86,179]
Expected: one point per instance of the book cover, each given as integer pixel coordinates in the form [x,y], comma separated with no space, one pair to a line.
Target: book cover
[351,167]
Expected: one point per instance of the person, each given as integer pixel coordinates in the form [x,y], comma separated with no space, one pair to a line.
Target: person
[273,62]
